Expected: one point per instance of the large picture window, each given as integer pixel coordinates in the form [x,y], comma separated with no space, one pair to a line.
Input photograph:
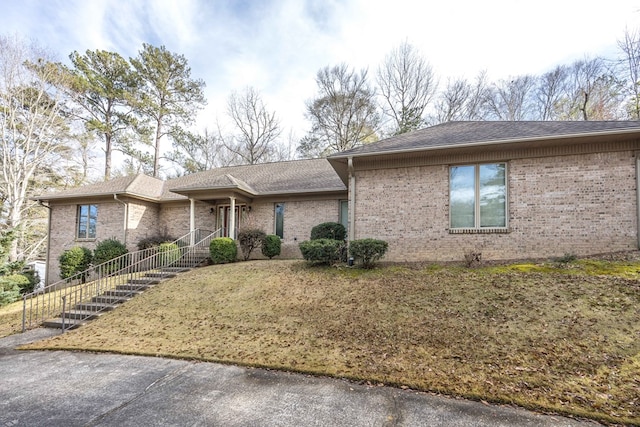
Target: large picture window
[279,214]
[478,196]
[87,220]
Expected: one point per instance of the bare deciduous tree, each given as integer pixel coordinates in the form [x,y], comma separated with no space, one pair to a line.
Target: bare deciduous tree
[33,132]
[407,83]
[510,99]
[593,92]
[256,128]
[343,115]
[462,100]
[549,93]
[630,69]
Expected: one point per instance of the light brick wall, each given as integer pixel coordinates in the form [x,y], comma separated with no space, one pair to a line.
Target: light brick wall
[110,224]
[174,218]
[142,222]
[580,204]
[299,218]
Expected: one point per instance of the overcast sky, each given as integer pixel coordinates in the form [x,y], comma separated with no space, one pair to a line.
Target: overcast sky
[278,46]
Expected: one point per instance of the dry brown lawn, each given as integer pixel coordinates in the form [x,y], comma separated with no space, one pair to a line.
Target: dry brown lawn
[550,337]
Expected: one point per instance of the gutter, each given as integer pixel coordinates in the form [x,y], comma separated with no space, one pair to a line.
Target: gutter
[125,223]
[46,271]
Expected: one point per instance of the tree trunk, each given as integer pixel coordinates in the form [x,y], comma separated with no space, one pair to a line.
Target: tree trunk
[107,157]
[156,156]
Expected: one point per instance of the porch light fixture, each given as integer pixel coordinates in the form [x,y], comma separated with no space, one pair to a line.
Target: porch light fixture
[212,211]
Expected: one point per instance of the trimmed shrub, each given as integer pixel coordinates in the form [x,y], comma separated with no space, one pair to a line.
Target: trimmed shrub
[322,251]
[169,253]
[271,246]
[106,251]
[73,261]
[154,241]
[223,250]
[249,240]
[10,288]
[329,230]
[368,251]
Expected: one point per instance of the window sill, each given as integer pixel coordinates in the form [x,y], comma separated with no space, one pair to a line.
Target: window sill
[479,231]
[85,239]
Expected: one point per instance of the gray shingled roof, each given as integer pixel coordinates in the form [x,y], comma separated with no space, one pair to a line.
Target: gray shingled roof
[135,185]
[468,133]
[300,176]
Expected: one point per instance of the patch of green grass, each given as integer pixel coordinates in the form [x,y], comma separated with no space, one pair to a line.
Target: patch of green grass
[556,338]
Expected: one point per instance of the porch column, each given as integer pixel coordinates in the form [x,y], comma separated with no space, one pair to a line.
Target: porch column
[192,220]
[232,217]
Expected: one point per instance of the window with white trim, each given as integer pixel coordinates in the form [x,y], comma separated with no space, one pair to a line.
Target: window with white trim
[478,196]
[87,219]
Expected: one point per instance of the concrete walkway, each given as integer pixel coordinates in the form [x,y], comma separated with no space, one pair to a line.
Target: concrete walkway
[59,388]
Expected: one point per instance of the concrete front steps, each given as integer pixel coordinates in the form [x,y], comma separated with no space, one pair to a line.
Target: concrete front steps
[109,300]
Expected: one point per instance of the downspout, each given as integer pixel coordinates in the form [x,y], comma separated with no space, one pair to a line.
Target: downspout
[125,222]
[637,154]
[46,271]
[352,200]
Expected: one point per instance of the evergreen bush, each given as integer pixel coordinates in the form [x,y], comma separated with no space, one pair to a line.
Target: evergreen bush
[329,230]
[249,240]
[9,292]
[322,251]
[271,246]
[73,261]
[223,250]
[33,277]
[10,287]
[108,250]
[368,251]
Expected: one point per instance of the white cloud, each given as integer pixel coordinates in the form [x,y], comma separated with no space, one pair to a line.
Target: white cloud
[277,46]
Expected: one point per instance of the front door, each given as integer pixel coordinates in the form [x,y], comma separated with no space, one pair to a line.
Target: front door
[224,214]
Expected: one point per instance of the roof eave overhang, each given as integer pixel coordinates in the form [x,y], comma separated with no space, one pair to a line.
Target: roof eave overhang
[313,192]
[76,197]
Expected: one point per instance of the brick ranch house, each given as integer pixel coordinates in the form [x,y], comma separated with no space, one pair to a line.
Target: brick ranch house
[285,198]
[505,189]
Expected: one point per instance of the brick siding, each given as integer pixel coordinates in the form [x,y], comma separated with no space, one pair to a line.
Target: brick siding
[580,204]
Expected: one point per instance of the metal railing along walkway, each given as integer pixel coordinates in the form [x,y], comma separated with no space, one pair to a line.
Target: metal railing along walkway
[88,293]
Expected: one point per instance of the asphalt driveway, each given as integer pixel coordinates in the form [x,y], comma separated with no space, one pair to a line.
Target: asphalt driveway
[59,388]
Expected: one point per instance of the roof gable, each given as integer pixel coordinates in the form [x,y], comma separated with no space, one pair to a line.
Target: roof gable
[141,186]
